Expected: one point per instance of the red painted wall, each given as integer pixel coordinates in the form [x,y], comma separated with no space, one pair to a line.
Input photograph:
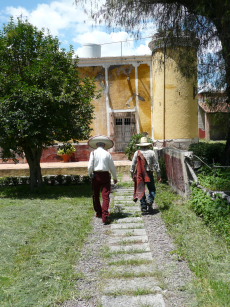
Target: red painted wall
[175,172]
[201,133]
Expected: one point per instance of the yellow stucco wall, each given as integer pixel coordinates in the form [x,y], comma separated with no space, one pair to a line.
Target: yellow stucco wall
[122,90]
[176,117]
[121,87]
[144,91]
[99,124]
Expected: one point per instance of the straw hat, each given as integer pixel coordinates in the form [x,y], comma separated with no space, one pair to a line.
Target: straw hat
[144,142]
[100,139]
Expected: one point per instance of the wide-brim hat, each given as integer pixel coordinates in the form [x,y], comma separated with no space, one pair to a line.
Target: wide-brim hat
[144,142]
[92,142]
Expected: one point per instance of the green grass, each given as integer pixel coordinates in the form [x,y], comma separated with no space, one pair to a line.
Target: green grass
[216,179]
[41,238]
[207,253]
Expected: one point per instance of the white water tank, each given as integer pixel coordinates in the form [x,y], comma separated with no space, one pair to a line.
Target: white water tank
[92,51]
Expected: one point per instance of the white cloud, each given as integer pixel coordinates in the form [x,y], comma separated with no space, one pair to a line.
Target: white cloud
[143,49]
[112,44]
[73,26]
[17,11]
[55,16]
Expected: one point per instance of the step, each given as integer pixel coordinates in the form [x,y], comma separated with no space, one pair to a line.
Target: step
[126,240]
[127,225]
[148,268]
[129,220]
[133,301]
[144,247]
[128,232]
[135,284]
[131,257]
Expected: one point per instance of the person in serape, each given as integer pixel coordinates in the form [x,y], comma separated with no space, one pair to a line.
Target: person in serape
[100,168]
[144,163]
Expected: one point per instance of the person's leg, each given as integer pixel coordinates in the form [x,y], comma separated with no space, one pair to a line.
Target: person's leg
[152,190]
[96,185]
[106,188]
[143,204]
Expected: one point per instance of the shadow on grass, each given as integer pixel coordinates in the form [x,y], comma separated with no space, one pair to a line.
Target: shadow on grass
[114,216]
[46,192]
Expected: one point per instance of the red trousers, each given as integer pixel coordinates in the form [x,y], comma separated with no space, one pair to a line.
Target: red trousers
[101,183]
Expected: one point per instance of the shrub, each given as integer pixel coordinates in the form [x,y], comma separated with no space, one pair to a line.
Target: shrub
[76,179]
[68,179]
[66,148]
[60,179]
[215,213]
[209,152]
[216,179]
[49,180]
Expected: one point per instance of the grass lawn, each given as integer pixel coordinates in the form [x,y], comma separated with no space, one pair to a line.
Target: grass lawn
[41,239]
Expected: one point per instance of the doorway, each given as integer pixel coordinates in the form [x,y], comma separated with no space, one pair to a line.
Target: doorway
[124,129]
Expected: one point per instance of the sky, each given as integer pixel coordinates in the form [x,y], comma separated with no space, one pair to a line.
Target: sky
[73,26]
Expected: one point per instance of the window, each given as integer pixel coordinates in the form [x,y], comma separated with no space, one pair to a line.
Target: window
[127,121]
[118,121]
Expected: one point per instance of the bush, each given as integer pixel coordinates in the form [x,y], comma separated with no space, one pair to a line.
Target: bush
[215,213]
[216,179]
[209,152]
[66,148]
[49,180]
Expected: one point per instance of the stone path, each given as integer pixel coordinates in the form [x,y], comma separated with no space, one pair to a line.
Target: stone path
[131,276]
[131,262]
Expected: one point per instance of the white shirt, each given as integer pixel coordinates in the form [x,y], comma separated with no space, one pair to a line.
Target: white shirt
[101,160]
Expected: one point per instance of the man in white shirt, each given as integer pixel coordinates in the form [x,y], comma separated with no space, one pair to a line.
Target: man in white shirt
[100,168]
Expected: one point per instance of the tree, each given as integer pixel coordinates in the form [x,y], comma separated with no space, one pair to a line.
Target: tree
[209,19]
[42,97]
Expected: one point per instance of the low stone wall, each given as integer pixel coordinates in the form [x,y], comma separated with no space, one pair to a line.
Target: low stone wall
[71,168]
[177,171]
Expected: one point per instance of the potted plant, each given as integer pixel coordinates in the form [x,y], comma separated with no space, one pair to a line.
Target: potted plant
[66,150]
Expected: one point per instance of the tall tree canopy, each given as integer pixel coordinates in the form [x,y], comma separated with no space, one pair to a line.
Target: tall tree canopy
[209,19]
[42,97]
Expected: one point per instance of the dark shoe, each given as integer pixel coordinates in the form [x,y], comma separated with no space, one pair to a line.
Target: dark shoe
[144,208]
[107,221]
[150,208]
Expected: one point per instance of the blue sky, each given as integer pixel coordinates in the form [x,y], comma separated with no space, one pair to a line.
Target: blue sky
[73,26]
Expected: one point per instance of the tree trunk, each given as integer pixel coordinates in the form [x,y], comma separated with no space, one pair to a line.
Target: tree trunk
[33,156]
[223,29]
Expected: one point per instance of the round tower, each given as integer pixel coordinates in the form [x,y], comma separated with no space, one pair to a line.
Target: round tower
[175,106]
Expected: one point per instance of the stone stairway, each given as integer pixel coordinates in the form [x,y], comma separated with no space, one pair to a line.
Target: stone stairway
[130,278]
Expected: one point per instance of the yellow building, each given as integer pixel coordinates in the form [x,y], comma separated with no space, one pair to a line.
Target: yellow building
[145,94]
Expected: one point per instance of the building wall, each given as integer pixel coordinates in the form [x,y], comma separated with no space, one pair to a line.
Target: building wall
[175,109]
[121,86]
[99,124]
[145,106]
[120,81]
